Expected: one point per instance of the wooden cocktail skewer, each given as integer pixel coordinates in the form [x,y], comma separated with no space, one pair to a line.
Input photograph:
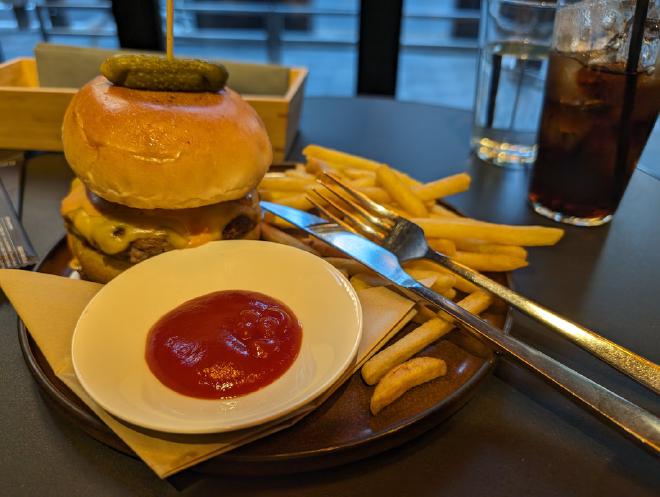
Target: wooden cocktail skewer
[169,37]
[155,73]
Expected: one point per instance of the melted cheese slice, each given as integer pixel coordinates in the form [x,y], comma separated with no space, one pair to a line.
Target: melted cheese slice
[112,227]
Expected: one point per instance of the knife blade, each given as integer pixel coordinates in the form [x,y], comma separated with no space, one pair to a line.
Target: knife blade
[372,255]
[633,421]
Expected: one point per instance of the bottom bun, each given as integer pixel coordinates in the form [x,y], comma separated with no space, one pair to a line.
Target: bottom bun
[101,268]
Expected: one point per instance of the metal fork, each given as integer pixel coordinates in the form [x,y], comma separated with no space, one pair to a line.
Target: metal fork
[358,213]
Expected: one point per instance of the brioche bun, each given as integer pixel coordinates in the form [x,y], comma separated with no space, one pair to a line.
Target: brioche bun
[168,150]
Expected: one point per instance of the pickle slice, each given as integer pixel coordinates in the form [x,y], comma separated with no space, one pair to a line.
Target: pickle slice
[152,72]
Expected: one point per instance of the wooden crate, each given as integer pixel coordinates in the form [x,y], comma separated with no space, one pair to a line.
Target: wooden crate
[31,116]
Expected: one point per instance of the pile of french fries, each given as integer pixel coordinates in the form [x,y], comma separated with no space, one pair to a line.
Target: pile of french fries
[480,245]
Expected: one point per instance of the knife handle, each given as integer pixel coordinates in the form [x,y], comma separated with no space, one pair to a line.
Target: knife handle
[634,421]
[633,365]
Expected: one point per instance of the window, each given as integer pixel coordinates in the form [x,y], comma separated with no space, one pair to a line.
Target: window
[438,42]
[438,52]
[321,35]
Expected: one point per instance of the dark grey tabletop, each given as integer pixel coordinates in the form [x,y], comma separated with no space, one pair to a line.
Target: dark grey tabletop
[516,437]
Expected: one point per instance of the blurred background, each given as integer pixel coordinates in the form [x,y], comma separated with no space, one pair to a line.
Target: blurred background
[432,51]
[412,50]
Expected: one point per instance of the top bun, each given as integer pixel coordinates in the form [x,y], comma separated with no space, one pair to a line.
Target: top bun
[166,150]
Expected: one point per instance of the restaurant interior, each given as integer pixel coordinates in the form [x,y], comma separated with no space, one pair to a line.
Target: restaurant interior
[315,247]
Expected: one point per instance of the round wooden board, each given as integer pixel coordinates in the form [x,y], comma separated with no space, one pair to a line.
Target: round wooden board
[341,431]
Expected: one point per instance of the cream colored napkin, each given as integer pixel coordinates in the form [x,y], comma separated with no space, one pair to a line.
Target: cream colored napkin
[71,67]
[50,305]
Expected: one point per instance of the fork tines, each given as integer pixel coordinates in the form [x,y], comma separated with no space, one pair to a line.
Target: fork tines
[351,209]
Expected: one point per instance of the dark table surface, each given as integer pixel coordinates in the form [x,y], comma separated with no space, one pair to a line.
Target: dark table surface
[516,437]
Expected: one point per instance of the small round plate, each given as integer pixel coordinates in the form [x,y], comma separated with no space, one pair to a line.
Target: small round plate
[108,348]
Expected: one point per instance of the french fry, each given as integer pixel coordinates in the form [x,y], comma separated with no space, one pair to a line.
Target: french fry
[322,157]
[449,293]
[418,339]
[418,319]
[317,166]
[272,234]
[331,156]
[476,302]
[461,283]
[407,180]
[489,262]
[457,228]
[354,173]
[403,349]
[362,182]
[286,183]
[297,201]
[399,192]
[276,195]
[427,282]
[298,172]
[440,211]
[447,247]
[443,281]
[404,377]
[490,248]
[266,195]
[464,285]
[423,314]
[443,187]
[375,193]
[422,264]
[397,210]
[277,221]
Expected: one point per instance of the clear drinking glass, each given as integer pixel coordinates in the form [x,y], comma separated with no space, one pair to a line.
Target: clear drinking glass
[602,99]
[515,38]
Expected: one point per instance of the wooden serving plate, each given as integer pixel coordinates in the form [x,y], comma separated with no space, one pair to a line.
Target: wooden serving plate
[341,431]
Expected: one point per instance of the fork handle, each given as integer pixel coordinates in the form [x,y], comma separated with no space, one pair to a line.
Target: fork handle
[634,421]
[635,366]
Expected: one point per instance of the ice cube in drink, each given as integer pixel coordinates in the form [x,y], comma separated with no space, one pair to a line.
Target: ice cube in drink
[587,149]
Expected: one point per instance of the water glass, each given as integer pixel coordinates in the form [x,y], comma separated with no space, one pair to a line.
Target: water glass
[515,37]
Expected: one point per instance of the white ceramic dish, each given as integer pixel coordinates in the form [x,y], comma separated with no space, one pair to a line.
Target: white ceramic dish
[109,340]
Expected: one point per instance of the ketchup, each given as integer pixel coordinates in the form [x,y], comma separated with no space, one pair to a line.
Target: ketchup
[223,344]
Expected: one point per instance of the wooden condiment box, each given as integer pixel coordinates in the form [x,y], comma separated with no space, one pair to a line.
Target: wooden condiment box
[31,115]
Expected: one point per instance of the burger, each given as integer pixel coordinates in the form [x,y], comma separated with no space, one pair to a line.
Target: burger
[157,171]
